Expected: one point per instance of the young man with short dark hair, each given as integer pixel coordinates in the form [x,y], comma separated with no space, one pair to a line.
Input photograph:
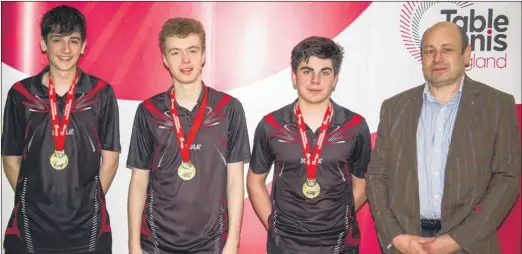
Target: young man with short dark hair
[320,151]
[60,148]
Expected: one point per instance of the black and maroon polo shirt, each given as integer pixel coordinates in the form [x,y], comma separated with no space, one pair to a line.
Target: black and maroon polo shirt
[327,223]
[59,211]
[187,216]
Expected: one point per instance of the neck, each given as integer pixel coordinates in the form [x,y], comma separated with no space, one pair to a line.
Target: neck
[188,92]
[313,110]
[61,79]
[445,92]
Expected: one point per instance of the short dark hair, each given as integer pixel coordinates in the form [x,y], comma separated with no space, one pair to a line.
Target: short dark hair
[182,28]
[320,47]
[63,20]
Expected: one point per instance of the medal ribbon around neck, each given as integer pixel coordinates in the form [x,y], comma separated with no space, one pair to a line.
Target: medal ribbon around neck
[184,144]
[59,159]
[312,160]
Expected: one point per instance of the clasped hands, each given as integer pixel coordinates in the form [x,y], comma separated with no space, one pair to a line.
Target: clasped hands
[411,244]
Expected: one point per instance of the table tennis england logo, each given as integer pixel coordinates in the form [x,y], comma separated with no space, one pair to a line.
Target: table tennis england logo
[486,29]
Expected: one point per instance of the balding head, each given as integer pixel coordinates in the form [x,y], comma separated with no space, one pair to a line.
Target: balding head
[464,40]
[445,53]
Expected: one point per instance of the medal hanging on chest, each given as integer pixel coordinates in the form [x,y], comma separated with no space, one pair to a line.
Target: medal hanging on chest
[311,188]
[187,170]
[59,159]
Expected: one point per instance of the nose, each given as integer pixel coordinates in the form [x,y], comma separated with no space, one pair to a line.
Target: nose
[315,78]
[185,59]
[66,47]
[438,56]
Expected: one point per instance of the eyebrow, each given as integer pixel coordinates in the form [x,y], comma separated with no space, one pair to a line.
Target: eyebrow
[443,45]
[191,47]
[311,69]
[61,36]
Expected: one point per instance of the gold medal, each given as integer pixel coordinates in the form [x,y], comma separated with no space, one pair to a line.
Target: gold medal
[311,189]
[186,171]
[59,160]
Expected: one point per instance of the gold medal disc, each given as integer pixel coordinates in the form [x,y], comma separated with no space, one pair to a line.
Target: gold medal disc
[186,171]
[311,189]
[59,160]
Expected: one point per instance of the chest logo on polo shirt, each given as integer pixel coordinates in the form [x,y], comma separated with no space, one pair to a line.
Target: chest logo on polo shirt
[195,147]
[209,119]
[303,160]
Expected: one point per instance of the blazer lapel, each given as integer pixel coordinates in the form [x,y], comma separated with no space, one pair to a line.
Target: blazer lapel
[466,111]
[413,109]
[469,103]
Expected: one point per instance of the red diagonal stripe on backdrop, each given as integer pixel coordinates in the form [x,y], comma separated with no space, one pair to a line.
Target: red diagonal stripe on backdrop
[105,36]
[247,44]
[133,49]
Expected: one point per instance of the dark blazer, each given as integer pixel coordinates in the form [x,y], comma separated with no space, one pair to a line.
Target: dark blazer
[482,172]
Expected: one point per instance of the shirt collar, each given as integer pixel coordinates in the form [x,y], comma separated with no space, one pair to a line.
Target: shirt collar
[84,84]
[200,98]
[338,118]
[428,96]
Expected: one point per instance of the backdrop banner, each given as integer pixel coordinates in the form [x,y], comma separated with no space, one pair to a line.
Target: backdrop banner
[248,56]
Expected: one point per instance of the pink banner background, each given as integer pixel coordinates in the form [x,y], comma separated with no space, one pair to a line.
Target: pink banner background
[123,49]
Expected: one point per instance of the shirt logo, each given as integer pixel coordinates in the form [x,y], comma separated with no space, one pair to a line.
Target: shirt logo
[195,147]
[303,160]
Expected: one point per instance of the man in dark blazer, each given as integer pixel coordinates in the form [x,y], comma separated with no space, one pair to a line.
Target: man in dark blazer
[445,169]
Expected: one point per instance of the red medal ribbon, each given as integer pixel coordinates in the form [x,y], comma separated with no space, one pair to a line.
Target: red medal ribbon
[184,144]
[312,160]
[59,131]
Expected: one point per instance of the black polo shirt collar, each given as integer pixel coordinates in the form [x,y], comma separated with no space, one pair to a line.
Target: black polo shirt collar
[181,110]
[84,84]
[339,115]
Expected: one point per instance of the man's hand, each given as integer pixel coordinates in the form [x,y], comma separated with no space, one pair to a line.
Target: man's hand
[411,244]
[230,248]
[443,244]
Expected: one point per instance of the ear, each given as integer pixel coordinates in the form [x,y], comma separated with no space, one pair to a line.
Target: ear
[335,82]
[467,55]
[165,61]
[203,58]
[84,44]
[43,45]
[294,79]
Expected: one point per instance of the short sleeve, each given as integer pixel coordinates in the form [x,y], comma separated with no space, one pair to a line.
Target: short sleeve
[13,140]
[262,155]
[238,142]
[362,151]
[109,123]
[141,147]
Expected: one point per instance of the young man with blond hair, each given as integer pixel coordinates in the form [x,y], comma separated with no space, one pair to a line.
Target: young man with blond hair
[187,155]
